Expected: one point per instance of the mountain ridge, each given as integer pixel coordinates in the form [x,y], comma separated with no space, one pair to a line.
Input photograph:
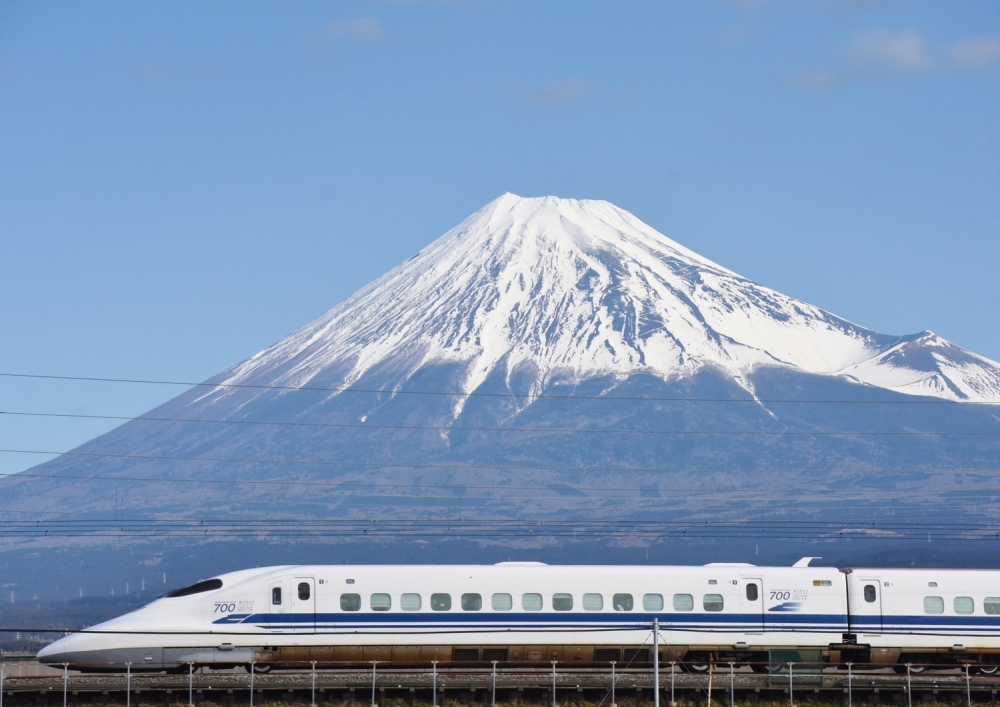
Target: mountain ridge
[583,288]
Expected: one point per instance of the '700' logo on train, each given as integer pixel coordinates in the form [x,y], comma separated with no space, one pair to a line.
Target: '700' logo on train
[228,607]
[785,594]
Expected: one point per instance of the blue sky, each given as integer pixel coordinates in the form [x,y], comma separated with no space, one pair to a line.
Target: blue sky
[183,183]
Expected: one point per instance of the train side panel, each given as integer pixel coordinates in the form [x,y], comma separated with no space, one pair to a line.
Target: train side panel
[929,616]
[530,612]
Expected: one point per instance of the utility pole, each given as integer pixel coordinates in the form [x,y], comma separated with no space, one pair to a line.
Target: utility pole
[656,661]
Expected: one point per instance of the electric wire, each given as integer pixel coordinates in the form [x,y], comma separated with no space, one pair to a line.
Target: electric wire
[339,485]
[463,394]
[463,467]
[516,524]
[487,528]
[464,428]
[493,531]
[553,488]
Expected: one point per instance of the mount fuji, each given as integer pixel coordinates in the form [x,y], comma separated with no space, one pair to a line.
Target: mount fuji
[566,290]
[553,360]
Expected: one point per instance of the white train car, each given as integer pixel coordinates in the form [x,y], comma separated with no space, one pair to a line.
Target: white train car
[926,616]
[530,612]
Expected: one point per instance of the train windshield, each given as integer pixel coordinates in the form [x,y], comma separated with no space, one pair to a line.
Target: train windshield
[205,585]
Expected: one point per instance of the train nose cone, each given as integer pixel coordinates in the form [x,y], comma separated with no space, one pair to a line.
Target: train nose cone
[53,652]
[73,649]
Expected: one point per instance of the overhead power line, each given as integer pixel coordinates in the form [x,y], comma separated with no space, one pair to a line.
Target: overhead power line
[458,428]
[424,465]
[484,394]
[561,488]
[807,504]
[486,528]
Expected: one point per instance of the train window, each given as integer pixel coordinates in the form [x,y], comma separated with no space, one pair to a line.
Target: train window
[276,596]
[932,584]
[502,602]
[593,602]
[652,602]
[870,593]
[441,602]
[622,602]
[206,585]
[531,602]
[380,602]
[303,590]
[991,605]
[752,593]
[350,602]
[712,602]
[409,602]
[712,581]
[683,602]
[933,605]
[472,602]
[964,605]
[562,602]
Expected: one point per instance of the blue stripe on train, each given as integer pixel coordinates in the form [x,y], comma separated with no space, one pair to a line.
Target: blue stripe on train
[631,621]
[831,622]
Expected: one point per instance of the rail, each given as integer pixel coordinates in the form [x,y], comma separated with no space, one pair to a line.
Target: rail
[373,684]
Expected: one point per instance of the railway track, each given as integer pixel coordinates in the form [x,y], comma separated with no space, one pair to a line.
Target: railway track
[387,685]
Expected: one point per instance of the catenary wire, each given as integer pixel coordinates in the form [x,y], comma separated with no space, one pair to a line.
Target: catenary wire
[300,524]
[505,487]
[34,519]
[483,504]
[202,459]
[575,533]
[292,521]
[421,465]
[552,430]
[300,528]
[311,527]
[807,503]
[749,517]
[532,396]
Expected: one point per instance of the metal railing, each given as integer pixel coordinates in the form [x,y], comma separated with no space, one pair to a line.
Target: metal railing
[605,681]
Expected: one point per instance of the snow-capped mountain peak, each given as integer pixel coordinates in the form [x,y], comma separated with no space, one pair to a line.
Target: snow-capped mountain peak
[570,289]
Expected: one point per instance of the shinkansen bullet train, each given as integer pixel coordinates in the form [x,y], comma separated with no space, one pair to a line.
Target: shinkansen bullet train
[524,612]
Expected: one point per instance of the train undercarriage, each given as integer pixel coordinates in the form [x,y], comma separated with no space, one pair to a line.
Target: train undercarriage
[685,658]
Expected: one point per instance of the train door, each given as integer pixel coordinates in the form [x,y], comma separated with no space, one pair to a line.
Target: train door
[304,603]
[752,604]
[278,605]
[867,616]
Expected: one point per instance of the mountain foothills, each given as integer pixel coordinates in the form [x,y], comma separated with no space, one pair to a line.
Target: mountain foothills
[551,359]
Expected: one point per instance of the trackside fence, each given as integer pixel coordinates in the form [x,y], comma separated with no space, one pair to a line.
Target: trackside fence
[779,681]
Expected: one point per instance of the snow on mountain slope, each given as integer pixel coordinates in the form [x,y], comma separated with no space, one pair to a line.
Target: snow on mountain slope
[926,364]
[572,289]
